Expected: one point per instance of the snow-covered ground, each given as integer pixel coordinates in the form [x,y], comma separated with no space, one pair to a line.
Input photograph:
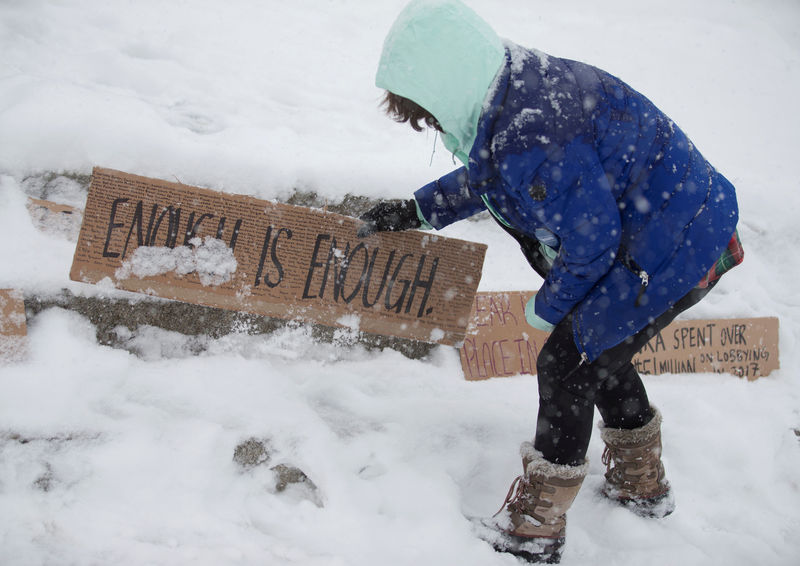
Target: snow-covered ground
[109,458]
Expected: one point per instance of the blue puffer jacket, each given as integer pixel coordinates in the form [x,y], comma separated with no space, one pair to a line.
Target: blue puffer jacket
[565,149]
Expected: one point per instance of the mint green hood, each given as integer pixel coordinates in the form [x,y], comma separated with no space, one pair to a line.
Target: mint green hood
[444,57]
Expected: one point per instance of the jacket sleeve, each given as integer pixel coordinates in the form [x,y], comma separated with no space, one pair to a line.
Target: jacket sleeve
[448,199]
[578,206]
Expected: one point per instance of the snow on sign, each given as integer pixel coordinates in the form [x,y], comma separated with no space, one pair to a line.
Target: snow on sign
[13,327]
[236,252]
[500,342]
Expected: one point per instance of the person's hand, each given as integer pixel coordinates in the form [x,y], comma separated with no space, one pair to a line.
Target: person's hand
[534,319]
[389,216]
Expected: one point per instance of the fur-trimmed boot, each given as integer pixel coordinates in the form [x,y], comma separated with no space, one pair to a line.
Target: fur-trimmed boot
[635,475]
[532,521]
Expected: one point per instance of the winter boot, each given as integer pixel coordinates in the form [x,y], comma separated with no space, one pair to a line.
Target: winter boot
[532,521]
[635,476]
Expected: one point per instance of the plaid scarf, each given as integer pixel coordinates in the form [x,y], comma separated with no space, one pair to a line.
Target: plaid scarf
[730,258]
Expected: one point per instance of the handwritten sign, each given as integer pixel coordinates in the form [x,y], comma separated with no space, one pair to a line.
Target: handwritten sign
[499,342]
[13,327]
[237,252]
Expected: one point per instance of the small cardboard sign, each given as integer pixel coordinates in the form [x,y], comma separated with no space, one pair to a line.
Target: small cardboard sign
[240,253]
[51,208]
[13,327]
[55,218]
[499,342]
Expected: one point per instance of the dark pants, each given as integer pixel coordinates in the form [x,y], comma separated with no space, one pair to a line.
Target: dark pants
[569,390]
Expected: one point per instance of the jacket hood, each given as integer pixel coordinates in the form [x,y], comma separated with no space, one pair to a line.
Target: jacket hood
[444,57]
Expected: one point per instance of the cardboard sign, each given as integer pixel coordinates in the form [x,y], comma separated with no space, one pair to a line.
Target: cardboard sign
[237,252]
[46,207]
[13,327]
[500,342]
[55,218]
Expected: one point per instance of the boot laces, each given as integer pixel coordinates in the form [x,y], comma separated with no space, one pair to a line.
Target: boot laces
[522,493]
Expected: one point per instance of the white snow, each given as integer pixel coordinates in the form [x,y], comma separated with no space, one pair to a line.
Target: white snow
[110,458]
[210,258]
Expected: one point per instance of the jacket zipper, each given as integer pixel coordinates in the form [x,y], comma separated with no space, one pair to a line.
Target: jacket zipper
[631,264]
[584,360]
[584,355]
[645,282]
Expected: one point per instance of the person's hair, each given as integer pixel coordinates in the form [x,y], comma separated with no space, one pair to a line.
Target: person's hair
[402,110]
